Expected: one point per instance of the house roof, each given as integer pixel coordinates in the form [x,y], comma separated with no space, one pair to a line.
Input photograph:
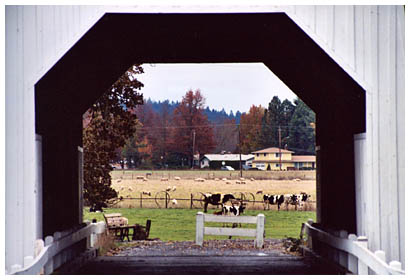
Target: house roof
[272,161]
[272,150]
[304,158]
[227,157]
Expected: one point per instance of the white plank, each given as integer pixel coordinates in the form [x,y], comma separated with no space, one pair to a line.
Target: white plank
[14,137]
[307,14]
[360,182]
[324,23]
[372,127]
[388,139]
[230,219]
[28,172]
[344,34]
[400,103]
[359,51]
[230,231]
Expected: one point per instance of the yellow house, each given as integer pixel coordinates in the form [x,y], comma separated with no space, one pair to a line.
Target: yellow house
[303,162]
[281,159]
[273,159]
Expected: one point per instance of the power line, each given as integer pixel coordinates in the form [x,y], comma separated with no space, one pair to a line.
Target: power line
[218,125]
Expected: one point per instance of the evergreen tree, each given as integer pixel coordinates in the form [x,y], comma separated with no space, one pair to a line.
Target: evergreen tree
[270,124]
[301,133]
[107,125]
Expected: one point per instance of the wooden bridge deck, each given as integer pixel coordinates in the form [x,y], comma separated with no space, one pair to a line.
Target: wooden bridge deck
[206,265]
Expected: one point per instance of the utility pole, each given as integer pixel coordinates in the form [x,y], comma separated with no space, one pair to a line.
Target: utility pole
[193,149]
[280,154]
[240,149]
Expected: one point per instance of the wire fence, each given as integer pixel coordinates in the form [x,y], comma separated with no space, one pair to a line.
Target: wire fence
[163,199]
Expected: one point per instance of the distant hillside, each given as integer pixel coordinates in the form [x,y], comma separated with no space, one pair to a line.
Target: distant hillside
[214,116]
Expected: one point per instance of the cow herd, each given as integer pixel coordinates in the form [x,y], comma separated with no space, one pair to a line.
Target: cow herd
[234,207]
[298,200]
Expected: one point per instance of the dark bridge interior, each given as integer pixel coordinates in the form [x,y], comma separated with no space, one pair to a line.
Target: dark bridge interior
[116,41]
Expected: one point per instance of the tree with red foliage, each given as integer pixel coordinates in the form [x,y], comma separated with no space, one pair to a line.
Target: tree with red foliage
[190,121]
[251,125]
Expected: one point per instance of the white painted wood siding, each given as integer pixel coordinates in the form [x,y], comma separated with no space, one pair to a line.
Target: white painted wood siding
[367,41]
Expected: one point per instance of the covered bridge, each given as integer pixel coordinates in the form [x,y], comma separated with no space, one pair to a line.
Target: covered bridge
[345,62]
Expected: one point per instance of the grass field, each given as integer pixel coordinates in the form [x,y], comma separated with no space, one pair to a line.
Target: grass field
[130,187]
[211,174]
[179,224]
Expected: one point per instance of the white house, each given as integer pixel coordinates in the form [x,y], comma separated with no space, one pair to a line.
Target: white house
[216,161]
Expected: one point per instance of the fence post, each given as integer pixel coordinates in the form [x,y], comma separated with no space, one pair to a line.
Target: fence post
[260,228]
[140,199]
[59,257]
[395,265]
[310,239]
[27,261]
[381,255]
[200,220]
[352,261]
[49,267]
[342,254]
[14,268]
[362,268]
[190,206]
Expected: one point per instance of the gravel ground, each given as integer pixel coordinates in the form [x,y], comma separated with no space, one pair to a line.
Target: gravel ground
[238,247]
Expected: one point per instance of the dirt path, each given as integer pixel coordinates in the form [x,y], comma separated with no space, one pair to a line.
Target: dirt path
[235,247]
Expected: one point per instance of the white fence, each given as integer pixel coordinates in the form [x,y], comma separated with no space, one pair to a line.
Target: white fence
[258,233]
[53,251]
[350,252]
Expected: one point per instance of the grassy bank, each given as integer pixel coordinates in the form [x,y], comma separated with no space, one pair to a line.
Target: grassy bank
[179,224]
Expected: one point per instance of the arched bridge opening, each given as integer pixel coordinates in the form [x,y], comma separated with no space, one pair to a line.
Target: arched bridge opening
[116,41]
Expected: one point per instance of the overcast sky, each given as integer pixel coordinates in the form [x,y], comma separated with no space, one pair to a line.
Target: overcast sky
[224,85]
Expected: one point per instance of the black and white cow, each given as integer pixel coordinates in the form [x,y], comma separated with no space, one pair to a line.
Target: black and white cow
[272,199]
[303,199]
[292,199]
[233,210]
[216,199]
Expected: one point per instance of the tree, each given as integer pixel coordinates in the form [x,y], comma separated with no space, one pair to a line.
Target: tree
[270,124]
[190,121]
[131,150]
[251,126]
[110,124]
[226,135]
[278,115]
[301,133]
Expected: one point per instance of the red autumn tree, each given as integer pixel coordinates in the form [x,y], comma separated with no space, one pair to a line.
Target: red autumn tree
[251,124]
[191,122]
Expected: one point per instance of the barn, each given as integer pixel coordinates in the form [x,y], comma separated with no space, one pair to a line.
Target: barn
[216,161]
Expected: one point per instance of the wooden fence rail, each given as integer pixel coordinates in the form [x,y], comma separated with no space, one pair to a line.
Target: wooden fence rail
[351,252]
[258,233]
[55,250]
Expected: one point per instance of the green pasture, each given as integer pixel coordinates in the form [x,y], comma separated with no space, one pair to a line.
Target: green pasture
[179,224]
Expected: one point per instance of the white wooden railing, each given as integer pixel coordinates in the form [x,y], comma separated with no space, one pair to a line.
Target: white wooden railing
[350,252]
[54,251]
[258,233]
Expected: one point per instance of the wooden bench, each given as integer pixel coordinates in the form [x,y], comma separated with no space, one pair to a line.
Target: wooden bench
[118,225]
